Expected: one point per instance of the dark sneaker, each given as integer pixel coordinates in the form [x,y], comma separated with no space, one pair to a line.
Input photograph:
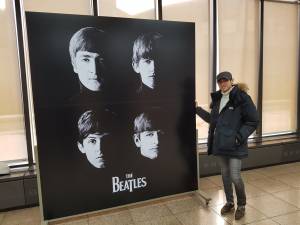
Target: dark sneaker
[240,212]
[227,208]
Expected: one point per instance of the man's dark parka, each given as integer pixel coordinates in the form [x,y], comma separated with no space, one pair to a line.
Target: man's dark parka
[229,130]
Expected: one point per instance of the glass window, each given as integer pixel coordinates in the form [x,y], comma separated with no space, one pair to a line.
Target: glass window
[81,7]
[12,129]
[196,11]
[238,26]
[143,9]
[280,68]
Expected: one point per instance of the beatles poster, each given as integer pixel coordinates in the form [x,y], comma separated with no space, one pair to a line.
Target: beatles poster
[114,110]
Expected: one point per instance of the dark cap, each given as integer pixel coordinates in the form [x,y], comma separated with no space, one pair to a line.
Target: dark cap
[224,75]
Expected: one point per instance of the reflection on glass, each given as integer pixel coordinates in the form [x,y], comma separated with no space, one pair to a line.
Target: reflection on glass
[135,7]
[81,7]
[280,68]
[2,4]
[174,2]
[238,40]
[12,131]
[197,13]
[143,9]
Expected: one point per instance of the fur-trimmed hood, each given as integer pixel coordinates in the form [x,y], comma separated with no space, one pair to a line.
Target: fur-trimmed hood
[242,86]
[237,88]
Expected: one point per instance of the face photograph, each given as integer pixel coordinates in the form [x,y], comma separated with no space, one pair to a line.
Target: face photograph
[92,148]
[146,68]
[148,143]
[92,131]
[144,59]
[89,67]
[146,137]
[86,50]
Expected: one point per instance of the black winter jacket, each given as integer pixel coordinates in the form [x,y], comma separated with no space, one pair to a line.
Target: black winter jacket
[229,130]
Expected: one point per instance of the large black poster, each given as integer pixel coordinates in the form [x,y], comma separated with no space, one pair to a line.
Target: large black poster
[114,110]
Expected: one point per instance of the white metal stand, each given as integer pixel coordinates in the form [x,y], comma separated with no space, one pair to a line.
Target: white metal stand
[204,196]
[199,192]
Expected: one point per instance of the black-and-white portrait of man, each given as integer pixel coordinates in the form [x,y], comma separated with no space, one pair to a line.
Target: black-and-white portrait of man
[146,137]
[144,61]
[90,139]
[87,52]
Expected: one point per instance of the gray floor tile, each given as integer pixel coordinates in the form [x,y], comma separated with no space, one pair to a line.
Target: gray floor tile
[201,217]
[250,175]
[217,196]
[292,179]
[269,185]
[72,221]
[216,180]
[251,215]
[184,204]
[118,218]
[206,183]
[1,217]
[288,219]
[264,222]
[290,196]
[271,206]
[252,191]
[22,217]
[151,212]
[166,220]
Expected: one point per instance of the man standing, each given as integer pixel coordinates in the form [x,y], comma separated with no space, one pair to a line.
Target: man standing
[233,118]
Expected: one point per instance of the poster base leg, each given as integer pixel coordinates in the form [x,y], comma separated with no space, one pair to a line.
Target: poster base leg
[203,195]
[44,222]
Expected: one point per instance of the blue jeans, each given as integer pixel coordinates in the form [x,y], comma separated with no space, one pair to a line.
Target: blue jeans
[231,173]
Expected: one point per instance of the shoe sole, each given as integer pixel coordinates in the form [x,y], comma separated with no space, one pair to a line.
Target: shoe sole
[231,210]
[239,218]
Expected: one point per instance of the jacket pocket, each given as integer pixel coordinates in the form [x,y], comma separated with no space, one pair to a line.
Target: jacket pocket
[226,139]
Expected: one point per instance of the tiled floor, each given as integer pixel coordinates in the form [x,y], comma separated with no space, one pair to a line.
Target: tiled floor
[273,199]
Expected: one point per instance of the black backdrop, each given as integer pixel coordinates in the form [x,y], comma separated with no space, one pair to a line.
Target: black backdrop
[69,184]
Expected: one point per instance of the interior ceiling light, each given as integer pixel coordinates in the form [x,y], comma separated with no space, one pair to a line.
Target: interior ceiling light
[133,7]
[174,2]
[2,4]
